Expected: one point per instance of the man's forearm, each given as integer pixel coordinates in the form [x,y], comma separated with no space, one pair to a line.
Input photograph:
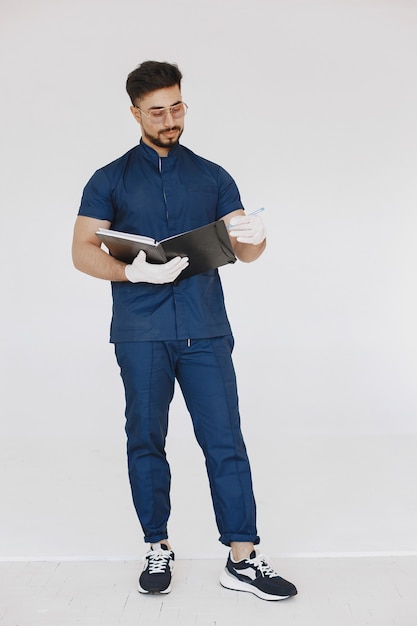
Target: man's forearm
[247,253]
[92,260]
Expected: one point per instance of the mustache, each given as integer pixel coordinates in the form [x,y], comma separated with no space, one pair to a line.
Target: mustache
[167,130]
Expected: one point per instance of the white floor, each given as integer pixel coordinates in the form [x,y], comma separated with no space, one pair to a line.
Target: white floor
[378,591]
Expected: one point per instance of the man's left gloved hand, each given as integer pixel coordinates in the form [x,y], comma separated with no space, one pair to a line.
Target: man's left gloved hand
[247,229]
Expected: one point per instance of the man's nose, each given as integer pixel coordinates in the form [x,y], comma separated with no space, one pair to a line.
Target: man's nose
[168,119]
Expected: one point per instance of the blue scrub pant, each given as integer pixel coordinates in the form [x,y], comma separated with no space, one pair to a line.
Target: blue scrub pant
[206,375]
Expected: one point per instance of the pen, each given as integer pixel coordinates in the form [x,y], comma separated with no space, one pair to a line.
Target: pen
[229,226]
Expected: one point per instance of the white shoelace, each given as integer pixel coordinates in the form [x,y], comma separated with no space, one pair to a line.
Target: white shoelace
[158,560]
[261,563]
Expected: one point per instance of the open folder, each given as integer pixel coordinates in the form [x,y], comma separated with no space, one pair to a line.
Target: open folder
[207,247]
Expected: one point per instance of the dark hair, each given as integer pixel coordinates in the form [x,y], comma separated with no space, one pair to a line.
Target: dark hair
[149,76]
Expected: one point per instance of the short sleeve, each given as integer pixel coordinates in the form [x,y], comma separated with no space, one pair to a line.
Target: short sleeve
[96,199]
[229,196]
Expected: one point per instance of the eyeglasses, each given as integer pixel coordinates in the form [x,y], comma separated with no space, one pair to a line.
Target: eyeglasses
[157,115]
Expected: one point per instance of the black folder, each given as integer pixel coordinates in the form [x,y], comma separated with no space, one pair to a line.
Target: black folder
[207,247]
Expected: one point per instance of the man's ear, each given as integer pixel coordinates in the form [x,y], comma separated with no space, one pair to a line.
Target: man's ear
[136,114]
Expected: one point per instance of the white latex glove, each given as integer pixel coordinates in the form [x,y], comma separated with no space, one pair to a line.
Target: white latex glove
[247,229]
[140,271]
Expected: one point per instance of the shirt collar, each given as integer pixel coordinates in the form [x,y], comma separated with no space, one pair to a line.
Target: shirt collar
[152,154]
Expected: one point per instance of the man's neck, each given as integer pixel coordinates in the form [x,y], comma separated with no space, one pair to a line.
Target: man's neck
[160,150]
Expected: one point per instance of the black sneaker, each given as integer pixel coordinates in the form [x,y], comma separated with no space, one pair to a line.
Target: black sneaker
[257,576]
[157,571]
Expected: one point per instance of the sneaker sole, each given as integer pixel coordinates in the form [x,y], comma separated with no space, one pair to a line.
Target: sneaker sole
[230,582]
[154,591]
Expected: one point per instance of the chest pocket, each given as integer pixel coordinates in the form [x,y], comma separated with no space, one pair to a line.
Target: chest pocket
[203,204]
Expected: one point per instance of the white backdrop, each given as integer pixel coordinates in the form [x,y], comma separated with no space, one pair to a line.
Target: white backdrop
[311,106]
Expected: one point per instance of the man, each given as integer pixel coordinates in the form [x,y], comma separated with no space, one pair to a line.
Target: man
[166,330]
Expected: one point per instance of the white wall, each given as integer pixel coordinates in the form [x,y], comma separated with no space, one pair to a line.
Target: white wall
[311,106]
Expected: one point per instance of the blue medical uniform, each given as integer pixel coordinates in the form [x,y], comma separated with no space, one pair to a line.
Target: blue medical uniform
[164,333]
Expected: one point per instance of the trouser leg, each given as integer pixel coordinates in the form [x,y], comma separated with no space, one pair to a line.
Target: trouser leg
[207,378]
[148,377]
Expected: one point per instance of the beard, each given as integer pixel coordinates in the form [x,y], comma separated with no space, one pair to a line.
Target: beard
[161,141]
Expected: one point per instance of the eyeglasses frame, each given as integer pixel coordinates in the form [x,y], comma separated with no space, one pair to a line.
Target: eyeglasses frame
[166,110]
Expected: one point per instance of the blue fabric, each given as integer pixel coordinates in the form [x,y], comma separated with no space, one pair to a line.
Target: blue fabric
[143,193]
[205,373]
[151,325]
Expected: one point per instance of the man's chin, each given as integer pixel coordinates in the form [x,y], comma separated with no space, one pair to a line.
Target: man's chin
[170,141]
[170,137]
[164,140]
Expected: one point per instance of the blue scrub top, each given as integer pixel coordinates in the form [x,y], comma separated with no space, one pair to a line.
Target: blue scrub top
[146,194]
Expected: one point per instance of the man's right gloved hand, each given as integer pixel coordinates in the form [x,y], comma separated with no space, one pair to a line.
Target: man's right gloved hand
[140,271]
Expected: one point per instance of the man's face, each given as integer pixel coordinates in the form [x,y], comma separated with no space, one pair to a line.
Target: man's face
[159,128]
